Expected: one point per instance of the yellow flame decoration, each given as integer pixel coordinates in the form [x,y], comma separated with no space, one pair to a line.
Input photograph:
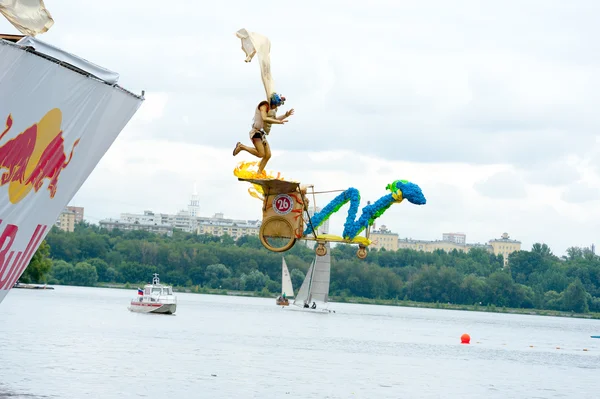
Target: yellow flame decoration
[249,170]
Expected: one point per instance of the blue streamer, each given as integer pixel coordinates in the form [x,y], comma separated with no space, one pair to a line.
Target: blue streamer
[402,189]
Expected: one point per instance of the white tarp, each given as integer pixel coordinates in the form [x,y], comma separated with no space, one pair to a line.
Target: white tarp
[30,17]
[55,126]
[255,43]
[61,55]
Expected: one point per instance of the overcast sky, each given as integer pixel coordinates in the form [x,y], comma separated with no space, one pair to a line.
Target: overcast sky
[491,107]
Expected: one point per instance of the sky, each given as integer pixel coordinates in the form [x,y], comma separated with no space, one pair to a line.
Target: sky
[490,107]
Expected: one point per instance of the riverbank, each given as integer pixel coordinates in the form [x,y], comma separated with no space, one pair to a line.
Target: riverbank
[32,286]
[472,308]
[382,302]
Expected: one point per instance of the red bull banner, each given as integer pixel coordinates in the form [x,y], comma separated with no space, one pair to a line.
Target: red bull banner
[56,123]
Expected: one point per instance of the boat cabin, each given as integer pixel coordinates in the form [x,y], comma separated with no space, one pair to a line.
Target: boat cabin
[154,290]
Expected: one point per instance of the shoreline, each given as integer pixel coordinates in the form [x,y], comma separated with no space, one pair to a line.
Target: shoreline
[381,302]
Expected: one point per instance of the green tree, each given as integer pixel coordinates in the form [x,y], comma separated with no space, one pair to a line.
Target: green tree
[215,274]
[533,278]
[84,274]
[196,273]
[104,275]
[297,277]
[63,272]
[500,288]
[542,249]
[473,289]
[136,273]
[574,253]
[553,300]
[39,266]
[273,286]
[254,281]
[575,297]
[63,245]
[176,277]
[524,263]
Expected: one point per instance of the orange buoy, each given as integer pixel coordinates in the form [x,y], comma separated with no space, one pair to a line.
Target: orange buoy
[465,338]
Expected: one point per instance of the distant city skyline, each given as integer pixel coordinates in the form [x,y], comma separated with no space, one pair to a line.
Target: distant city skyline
[251,210]
[194,207]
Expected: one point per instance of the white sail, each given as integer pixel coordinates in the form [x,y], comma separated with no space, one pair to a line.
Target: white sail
[286,281]
[319,287]
[303,293]
[315,287]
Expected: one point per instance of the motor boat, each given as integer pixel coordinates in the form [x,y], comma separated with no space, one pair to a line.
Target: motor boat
[154,298]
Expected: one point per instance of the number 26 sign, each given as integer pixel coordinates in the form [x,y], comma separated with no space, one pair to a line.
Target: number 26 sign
[282,204]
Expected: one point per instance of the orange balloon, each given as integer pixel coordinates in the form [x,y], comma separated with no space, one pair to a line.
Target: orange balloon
[465,339]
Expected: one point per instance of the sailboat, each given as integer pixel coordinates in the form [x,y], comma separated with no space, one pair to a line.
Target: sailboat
[287,290]
[314,292]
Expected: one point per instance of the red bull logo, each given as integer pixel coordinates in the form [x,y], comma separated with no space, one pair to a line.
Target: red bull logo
[14,262]
[34,155]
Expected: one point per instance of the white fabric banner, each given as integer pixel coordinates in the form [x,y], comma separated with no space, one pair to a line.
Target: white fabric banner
[55,52]
[30,17]
[55,126]
[255,43]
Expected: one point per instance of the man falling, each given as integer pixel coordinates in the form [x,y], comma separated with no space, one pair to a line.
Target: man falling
[265,114]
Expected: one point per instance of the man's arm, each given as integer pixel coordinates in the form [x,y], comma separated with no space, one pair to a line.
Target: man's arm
[286,115]
[266,118]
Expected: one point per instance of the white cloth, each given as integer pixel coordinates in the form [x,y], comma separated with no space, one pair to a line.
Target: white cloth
[255,43]
[64,56]
[30,17]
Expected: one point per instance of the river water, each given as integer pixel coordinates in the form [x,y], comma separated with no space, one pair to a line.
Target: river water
[77,343]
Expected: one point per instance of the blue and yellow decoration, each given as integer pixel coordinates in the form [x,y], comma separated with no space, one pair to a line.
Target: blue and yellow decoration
[399,190]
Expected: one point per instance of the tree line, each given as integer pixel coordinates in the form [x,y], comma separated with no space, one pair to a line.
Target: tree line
[534,279]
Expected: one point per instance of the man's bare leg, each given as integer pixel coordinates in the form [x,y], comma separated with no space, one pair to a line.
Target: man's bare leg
[265,158]
[257,151]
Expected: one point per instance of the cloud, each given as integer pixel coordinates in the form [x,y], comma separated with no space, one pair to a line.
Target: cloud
[503,185]
[493,113]
[409,91]
[580,192]
[551,173]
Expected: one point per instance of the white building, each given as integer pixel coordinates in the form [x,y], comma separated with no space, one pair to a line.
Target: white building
[218,226]
[188,221]
[457,238]
[111,224]
[183,220]
[194,206]
[66,220]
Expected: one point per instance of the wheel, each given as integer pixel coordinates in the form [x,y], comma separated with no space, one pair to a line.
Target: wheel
[321,250]
[362,252]
[277,234]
